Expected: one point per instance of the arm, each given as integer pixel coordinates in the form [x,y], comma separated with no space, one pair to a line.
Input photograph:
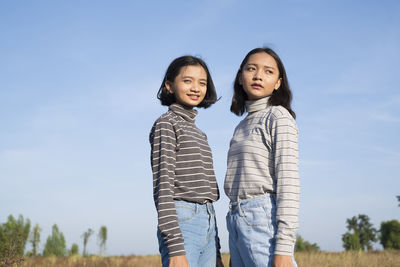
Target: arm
[282,261]
[163,159]
[285,148]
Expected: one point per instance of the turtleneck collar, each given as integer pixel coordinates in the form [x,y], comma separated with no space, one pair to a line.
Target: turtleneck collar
[187,113]
[257,105]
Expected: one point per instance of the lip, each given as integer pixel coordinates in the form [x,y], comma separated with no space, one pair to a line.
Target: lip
[256,85]
[193,97]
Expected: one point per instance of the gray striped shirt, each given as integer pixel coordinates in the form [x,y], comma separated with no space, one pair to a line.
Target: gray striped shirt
[263,158]
[182,168]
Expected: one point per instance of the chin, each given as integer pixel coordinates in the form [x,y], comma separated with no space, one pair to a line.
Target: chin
[191,105]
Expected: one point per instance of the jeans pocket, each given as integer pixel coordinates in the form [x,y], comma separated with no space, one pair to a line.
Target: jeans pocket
[256,216]
[184,213]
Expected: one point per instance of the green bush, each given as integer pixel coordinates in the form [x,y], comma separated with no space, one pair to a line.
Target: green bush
[302,245]
[390,234]
[55,244]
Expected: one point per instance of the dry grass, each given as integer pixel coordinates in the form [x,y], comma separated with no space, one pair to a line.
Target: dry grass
[92,261]
[349,259]
[304,259]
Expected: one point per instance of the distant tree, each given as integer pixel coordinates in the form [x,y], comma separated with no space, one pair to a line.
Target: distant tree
[86,236]
[351,241]
[102,239]
[55,244]
[74,250]
[34,239]
[302,245]
[390,234]
[14,235]
[367,232]
[360,231]
[9,249]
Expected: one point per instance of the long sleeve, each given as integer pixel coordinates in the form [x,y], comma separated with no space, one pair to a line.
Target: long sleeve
[285,152]
[163,161]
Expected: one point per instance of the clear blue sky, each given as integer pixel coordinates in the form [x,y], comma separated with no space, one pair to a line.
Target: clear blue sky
[78,84]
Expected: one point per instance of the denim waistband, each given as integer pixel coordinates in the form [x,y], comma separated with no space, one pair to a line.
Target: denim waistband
[254,201]
[197,206]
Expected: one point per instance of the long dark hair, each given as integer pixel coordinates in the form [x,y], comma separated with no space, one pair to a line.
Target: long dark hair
[173,70]
[281,97]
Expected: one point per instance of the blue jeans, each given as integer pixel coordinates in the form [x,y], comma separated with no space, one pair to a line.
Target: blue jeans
[199,229]
[252,228]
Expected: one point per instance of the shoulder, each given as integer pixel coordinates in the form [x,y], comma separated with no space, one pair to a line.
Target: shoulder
[279,112]
[281,116]
[167,120]
[166,123]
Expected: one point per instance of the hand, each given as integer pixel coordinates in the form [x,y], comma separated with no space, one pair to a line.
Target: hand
[219,262]
[283,261]
[178,261]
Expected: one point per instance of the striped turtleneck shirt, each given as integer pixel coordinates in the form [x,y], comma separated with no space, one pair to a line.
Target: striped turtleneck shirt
[182,166]
[263,158]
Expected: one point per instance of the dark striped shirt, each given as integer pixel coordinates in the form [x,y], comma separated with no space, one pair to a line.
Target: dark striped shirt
[263,158]
[183,169]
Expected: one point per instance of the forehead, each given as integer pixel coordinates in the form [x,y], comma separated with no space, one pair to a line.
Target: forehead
[262,59]
[193,71]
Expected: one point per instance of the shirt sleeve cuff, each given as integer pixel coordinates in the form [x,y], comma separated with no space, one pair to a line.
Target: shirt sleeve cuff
[176,250]
[284,249]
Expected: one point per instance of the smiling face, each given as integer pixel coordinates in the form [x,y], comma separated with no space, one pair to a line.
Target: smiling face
[260,76]
[190,86]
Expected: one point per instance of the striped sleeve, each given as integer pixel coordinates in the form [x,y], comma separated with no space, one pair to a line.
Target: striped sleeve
[285,151]
[163,160]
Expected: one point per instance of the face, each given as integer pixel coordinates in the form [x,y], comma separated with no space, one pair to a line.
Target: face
[190,86]
[260,76]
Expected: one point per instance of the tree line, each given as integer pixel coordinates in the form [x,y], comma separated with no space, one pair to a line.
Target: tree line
[16,233]
[361,234]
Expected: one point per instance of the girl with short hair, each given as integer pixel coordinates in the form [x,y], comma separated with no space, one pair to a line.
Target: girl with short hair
[184,183]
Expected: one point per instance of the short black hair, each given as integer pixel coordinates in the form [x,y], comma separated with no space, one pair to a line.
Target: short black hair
[281,97]
[173,70]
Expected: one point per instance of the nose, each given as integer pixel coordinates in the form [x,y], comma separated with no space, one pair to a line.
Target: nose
[195,88]
[257,75]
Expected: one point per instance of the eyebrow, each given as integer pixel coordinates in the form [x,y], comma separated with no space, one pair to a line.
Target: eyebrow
[269,67]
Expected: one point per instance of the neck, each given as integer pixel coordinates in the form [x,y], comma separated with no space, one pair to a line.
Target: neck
[188,113]
[256,105]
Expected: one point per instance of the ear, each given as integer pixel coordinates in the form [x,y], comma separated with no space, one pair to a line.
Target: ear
[169,87]
[278,84]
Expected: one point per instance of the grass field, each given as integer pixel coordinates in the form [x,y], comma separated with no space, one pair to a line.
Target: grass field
[318,259]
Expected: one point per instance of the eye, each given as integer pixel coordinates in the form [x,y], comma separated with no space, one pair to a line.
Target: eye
[250,68]
[269,72]
[186,81]
[203,83]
